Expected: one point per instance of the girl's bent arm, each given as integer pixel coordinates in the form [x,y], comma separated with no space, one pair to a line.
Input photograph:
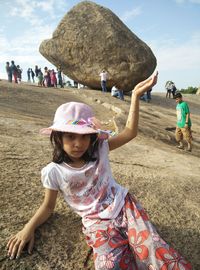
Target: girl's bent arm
[130,131]
[26,235]
[45,210]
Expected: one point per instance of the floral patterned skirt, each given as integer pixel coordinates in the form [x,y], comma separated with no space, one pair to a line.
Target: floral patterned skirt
[131,242]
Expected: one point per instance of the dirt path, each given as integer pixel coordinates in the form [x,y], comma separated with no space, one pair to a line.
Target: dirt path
[164,179]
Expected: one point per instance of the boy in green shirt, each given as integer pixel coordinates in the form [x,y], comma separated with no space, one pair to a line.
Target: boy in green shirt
[183,125]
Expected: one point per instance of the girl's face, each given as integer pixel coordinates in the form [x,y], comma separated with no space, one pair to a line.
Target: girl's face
[75,145]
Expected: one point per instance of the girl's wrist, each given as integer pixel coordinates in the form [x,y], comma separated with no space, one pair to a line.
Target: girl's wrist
[135,95]
[29,227]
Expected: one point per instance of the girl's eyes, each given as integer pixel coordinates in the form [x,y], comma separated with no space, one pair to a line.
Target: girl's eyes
[69,136]
[74,136]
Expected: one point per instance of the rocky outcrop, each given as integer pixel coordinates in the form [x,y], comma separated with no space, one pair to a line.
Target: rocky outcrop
[90,38]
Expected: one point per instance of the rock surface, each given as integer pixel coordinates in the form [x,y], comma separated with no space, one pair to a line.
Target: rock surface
[163,178]
[90,38]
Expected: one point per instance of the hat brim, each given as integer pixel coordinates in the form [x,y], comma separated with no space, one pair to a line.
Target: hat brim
[70,129]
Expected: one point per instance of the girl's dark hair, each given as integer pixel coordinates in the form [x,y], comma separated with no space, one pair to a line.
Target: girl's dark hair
[59,155]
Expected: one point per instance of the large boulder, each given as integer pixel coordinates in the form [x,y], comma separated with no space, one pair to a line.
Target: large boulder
[90,38]
[198,91]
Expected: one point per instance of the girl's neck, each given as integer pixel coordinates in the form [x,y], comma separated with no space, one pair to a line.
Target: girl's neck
[77,163]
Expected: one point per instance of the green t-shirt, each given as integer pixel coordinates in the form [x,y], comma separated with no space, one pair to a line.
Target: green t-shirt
[182,109]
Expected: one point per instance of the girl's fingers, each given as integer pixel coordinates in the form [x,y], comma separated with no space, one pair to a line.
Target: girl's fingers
[14,249]
[20,248]
[30,246]
[11,246]
[10,241]
[146,84]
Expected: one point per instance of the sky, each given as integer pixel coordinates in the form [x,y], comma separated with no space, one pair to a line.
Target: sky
[171,28]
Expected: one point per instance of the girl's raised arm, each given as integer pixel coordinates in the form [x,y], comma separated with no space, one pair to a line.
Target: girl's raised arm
[26,235]
[130,131]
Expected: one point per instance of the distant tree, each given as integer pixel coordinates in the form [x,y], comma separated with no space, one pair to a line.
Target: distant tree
[189,90]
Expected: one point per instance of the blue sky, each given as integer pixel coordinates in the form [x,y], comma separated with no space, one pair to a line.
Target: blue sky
[170,27]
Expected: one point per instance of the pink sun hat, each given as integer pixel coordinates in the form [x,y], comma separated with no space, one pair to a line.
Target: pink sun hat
[75,117]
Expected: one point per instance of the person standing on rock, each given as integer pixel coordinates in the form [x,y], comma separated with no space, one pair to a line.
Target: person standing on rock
[14,71]
[173,86]
[32,75]
[29,74]
[19,74]
[168,87]
[9,71]
[114,223]
[53,78]
[183,125]
[60,79]
[148,95]
[103,75]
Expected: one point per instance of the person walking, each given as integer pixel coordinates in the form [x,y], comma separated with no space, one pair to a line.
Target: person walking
[184,123]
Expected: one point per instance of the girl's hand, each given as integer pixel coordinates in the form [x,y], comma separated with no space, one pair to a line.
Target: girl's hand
[145,85]
[17,243]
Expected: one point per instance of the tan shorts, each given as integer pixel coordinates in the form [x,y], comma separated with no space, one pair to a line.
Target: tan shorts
[183,133]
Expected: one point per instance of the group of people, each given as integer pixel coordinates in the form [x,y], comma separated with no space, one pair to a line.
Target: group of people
[14,72]
[114,223]
[117,91]
[170,88]
[183,127]
[47,78]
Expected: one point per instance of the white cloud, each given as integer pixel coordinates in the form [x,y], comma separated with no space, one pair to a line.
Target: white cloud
[24,49]
[29,10]
[131,14]
[29,41]
[174,56]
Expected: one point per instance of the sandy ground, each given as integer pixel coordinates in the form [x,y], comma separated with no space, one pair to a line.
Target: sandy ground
[163,178]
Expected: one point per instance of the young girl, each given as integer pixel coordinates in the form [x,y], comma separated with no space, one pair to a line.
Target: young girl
[115,224]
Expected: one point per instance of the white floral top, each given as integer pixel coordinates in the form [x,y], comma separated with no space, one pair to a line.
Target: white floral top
[91,191]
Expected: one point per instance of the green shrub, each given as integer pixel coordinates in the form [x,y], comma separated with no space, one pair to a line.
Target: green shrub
[189,90]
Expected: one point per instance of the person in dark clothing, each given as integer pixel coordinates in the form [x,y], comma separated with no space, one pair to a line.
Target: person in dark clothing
[9,71]
[14,71]
[173,89]
[29,74]
[32,75]
[19,74]
[148,95]
[59,74]
[37,70]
